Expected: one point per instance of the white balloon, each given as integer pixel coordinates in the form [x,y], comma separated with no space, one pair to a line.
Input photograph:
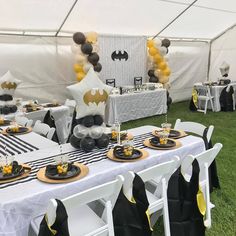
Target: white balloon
[76,49]
[80,131]
[96,47]
[95,131]
[157,43]
[163,51]
[87,66]
[81,59]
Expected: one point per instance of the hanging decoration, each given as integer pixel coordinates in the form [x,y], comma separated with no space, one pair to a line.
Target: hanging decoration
[86,49]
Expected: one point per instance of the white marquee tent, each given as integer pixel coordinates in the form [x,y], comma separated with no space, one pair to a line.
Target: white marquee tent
[35,38]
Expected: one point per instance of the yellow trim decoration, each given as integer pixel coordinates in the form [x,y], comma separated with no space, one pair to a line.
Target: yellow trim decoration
[195,97]
[149,220]
[201,202]
[54,232]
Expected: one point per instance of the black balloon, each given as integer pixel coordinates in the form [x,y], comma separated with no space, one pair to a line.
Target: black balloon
[6,110]
[74,141]
[93,58]
[88,121]
[79,38]
[13,109]
[165,43]
[103,141]
[153,79]
[87,144]
[151,73]
[98,120]
[97,67]
[86,48]
[167,93]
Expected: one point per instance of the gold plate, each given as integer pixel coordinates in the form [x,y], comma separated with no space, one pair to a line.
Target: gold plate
[27,171]
[182,133]
[83,172]
[148,144]
[111,156]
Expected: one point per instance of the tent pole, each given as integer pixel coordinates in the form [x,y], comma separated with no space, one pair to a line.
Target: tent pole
[72,7]
[181,13]
[209,61]
[219,35]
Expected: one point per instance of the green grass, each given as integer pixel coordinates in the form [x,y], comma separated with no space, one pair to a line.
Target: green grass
[224,214]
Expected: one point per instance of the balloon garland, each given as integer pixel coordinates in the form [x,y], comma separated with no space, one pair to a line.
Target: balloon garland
[86,49]
[159,70]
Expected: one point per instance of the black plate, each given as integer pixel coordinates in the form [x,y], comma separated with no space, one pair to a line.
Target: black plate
[31,109]
[51,105]
[13,175]
[155,142]
[74,171]
[174,133]
[120,155]
[6,122]
[122,137]
[21,130]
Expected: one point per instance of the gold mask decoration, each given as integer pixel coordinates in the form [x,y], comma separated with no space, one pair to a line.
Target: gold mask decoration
[8,85]
[95,98]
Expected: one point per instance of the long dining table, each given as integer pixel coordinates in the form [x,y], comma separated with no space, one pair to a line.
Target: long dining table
[22,200]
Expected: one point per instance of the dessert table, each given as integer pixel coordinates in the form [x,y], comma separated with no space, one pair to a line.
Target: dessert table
[132,106]
[24,199]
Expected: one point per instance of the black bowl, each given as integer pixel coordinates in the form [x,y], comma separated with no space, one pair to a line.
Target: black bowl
[74,171]
[156,143]
[120,155]
[174,133]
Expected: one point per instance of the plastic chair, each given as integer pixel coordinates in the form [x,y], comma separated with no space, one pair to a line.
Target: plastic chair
[159,175]
[82,220]
[71,104]
[194,127]
[44,129]
[204,92]
[111,82]
[23,121]
[204,159]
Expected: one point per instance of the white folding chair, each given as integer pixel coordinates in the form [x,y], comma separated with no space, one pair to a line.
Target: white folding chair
[71,104]
[23,121]
[43,129]
[204,159]
[194,127]
[158,174]
[204,92]
[82,220]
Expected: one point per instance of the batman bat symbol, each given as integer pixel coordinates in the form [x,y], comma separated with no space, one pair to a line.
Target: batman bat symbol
[96,98]
[119,55]
[8,85]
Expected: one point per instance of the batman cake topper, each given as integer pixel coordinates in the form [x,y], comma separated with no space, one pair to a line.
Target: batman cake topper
[119,55]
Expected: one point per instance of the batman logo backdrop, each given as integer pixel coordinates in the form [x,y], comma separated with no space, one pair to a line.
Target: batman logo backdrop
[119,55]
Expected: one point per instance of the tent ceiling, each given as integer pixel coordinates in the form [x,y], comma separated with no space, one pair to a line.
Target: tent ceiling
[204,20]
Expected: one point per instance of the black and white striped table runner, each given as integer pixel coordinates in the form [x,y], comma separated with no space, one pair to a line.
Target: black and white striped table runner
[75,156]
[14,145]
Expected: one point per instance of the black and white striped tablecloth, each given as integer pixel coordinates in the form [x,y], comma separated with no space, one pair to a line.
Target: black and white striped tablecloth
[14,145]
[75,156]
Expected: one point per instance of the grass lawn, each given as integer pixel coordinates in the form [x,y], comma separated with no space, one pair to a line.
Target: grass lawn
[224,214]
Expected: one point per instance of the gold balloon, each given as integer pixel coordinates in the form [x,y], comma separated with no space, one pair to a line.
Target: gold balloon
[166,72]
[157,72]
[162,66]
[158,58]
[163,79]
[150,43]
[80,76]
[78,68]
[153,51]
[91,37]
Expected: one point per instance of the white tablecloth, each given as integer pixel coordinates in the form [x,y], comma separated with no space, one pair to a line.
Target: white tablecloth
[133,106]
[20,203]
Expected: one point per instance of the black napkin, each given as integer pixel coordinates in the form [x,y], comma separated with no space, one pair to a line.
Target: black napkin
[155,140]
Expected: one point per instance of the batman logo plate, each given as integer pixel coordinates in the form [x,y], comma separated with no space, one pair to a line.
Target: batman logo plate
[119,55]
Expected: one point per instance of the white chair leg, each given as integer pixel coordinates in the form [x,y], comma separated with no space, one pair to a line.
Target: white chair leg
[206,103]
[212,105]
[166,219]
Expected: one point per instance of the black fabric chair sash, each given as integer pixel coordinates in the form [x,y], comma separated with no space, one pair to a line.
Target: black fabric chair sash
[60,226]
[130,218]
[213,176]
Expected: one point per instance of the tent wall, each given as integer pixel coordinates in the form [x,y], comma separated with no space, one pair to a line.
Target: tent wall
[223,49]
[45,66]
[189,64]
